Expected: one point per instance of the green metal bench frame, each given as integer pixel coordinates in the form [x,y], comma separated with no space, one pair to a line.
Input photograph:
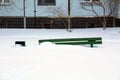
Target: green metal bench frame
[74,41]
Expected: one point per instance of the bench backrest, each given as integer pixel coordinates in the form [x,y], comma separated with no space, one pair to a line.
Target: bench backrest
[94,40]
[75,41]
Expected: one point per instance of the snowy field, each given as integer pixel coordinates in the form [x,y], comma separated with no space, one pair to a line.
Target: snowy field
[59,62]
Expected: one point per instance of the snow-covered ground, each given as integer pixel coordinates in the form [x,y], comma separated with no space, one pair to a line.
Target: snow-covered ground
[59,62]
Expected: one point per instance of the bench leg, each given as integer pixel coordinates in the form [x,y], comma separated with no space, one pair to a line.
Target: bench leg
[91,45]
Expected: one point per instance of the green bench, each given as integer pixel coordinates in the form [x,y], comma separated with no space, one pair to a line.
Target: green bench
[74,41]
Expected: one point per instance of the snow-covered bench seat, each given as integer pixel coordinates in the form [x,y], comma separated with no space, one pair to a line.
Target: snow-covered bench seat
[74,41]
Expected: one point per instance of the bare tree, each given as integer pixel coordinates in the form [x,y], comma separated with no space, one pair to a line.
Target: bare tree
[60,13]
[5,7]
[63,13]
[12,6]
[108,5]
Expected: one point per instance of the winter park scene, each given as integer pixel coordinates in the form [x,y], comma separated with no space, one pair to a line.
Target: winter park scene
[59,39]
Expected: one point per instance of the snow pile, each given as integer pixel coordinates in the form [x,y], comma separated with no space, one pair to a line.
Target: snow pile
[48,61]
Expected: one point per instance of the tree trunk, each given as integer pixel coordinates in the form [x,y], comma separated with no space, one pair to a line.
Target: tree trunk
[69,18]
[69,24]
[104,23]
[114,22]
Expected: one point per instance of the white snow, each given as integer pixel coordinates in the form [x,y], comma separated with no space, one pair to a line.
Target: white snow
[59,62]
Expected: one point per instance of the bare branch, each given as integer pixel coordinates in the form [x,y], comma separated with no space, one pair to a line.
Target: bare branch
[108,5]
[93,10]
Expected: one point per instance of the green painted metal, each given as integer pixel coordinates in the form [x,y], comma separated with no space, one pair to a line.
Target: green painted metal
[74,41]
